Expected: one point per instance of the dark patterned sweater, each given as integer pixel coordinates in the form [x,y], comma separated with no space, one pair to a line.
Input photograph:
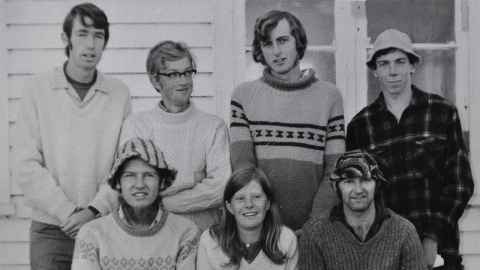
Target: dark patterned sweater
[288,129]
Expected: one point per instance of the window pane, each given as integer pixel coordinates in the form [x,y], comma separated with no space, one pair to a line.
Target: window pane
[426,21]
[435,74]
[322,62]
[316,16]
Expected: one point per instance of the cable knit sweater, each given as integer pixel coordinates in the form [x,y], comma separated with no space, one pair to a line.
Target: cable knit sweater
[329,244]
[111,243]
[289,130]
[196,145]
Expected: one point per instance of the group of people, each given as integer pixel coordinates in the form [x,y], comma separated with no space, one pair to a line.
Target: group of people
[282,188]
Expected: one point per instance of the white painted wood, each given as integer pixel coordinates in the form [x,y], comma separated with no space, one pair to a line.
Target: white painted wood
[16,267]
[14,230]
[14,253]
[474,96]
[121,35]
[21,208]
[138,84]
[462,76]
[118,11]
[224,56]
[344,56]
[4,140]
[470,242]
[471,262]
[470,220]
[113,60]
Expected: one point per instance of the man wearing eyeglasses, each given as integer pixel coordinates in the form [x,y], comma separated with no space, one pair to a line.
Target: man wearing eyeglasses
[193,141]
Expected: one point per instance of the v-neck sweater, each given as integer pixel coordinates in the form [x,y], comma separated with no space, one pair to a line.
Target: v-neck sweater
[211,256]
[64,147]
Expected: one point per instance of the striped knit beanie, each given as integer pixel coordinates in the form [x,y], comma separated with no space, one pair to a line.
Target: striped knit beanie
[146,150]
[357,163]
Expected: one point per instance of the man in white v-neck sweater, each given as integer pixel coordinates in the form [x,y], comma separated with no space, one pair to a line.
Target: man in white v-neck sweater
[194,142]
[65,139]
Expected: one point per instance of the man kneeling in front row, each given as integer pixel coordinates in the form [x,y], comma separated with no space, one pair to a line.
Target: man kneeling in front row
[360,233]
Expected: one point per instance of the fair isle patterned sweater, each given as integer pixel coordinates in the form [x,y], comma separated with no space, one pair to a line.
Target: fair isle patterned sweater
[110,243]
[288,129]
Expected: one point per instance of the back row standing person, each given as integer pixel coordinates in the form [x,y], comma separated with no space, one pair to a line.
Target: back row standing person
[66,135]
[288,122]
[419,138]
[194,142]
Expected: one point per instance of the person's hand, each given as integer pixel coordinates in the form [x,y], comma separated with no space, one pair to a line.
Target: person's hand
[429,251]
[76,220]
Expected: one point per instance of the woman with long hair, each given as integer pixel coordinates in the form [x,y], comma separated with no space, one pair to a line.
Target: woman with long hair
[250,234]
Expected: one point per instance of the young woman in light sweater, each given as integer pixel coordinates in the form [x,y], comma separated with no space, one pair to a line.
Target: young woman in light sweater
[140,234]
[250,235]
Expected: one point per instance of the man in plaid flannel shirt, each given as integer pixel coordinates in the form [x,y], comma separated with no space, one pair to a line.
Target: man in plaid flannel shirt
[418,137]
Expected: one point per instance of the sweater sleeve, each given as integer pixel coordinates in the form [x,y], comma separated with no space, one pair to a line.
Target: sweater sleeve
[241,147]
[85,254]
[310,254]
[187,252]
[29,168]
[209,185]
[412,257]
[204,262]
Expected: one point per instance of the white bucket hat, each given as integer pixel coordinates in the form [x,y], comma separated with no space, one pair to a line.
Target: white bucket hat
[392,38]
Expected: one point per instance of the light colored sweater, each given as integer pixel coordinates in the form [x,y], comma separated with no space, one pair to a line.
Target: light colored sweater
[110,243]
[327,245]
[211,257]
[64,147]
[289,130]
[196,145]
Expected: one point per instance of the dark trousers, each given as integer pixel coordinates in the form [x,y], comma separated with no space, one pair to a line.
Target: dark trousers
[50,247]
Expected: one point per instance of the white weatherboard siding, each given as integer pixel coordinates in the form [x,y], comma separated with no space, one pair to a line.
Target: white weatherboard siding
[30,43]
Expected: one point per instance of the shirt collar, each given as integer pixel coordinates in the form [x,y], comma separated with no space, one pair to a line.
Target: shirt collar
[60,82]
[157,219]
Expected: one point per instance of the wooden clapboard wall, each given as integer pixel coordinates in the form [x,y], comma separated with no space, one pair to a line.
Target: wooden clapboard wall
[30,43]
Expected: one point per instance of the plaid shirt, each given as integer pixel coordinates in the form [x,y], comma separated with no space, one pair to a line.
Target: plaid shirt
[424,157]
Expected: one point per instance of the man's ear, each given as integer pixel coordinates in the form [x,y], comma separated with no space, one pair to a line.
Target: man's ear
[157,85]
[65,39]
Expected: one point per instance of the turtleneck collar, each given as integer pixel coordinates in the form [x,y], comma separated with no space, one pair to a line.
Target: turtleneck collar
[307,78]
[176,118]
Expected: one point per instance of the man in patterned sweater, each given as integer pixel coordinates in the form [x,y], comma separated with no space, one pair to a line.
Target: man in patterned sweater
[141,233]
[288,123]
[419,138]
[360,232]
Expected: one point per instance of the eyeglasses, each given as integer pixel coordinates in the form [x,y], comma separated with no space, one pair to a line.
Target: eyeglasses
[176,75]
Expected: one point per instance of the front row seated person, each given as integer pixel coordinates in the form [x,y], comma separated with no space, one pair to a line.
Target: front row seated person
[250,235]
[360,233]
[140,234]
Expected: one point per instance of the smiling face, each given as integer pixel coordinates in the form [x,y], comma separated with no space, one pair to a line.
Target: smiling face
[175,90]
[139,183]
[280,52]
[357,193]
[86,45]
[249,206]
[394,71]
